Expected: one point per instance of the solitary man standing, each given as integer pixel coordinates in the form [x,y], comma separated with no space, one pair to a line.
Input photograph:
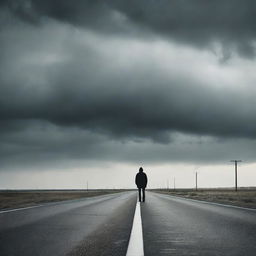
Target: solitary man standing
[141,181]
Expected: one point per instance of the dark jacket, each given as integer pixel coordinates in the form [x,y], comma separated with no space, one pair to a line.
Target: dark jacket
[141,180]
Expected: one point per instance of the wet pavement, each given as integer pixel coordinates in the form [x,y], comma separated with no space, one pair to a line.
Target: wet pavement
[175,226]
[102,226]
[91,226]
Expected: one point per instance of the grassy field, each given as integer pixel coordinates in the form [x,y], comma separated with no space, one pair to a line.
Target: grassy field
[243,198]
[17,199]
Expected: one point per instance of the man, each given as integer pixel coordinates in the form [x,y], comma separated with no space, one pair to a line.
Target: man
[141,181]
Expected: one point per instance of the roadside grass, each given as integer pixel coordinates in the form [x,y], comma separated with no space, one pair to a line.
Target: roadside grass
[16,199]
[242,197]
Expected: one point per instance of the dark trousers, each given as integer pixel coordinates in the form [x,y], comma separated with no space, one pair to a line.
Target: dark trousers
[143,194]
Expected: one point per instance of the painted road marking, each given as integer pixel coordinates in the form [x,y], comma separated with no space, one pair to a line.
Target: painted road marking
[99,198]
[20,209]
[213,203]
[136,247]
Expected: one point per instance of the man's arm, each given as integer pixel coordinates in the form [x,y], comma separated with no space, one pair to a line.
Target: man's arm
[146,179]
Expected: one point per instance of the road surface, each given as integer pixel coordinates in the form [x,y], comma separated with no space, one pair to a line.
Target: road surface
[175,226]
[102,226]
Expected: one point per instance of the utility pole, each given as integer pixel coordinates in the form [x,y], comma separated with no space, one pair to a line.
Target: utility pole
[236,161]
[87,185]
[174,185]
[196,181]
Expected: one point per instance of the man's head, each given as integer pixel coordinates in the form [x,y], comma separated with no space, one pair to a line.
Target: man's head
[140,170]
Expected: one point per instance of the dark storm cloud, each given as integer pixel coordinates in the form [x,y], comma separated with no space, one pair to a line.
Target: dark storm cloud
[198,22]
[43,145]
[144,113]
[70,93]
[108,88]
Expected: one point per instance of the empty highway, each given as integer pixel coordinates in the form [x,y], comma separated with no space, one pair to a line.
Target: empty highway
[102,226]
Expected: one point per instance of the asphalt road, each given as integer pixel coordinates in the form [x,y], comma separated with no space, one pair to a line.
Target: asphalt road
[174,226]
[102,226]
[92,226]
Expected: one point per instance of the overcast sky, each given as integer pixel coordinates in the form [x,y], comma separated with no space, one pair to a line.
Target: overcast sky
[92,90]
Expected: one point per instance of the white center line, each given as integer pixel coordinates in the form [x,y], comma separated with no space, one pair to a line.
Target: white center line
[213,203]
[21,209]
[135,247]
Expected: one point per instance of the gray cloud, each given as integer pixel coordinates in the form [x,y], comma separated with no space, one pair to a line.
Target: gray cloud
[43,145]
[87,92]
[89,84]
[199,23]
